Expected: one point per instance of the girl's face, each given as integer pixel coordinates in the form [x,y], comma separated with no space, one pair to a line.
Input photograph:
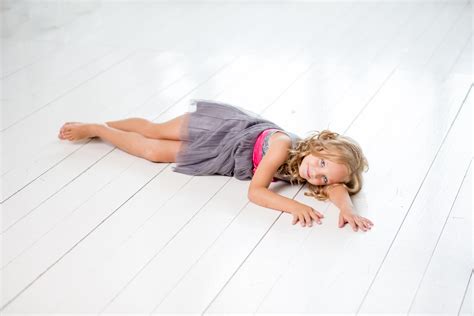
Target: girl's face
[320,171]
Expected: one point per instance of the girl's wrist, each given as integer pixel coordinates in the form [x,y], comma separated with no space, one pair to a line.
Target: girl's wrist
[346,210]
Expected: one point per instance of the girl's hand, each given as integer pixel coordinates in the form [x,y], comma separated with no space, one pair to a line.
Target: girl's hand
[355,221]
[305,215]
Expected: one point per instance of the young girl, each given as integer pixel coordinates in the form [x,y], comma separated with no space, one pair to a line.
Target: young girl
[218,138]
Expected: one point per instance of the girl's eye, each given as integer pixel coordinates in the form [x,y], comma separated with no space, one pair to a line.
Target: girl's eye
[323,163]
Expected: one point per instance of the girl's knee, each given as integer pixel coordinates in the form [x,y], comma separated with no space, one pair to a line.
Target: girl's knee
[161,150]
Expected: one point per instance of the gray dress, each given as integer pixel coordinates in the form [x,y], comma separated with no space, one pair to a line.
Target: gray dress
[218,138]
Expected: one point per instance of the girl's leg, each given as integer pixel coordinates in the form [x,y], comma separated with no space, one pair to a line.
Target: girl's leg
[156,150]
[166,130]
[133,124]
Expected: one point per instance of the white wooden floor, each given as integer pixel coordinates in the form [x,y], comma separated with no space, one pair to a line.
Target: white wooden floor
[87,228]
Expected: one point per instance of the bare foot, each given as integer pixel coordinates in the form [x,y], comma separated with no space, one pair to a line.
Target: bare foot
[61,130]
[76,131]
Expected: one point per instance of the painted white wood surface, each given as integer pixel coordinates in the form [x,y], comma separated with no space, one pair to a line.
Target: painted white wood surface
[89,228]
[14,211]
[468,299]
[444,281]
[29,272]
[40,154]
[242,292]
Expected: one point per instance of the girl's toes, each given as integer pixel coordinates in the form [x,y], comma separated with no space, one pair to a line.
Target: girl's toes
[65,125]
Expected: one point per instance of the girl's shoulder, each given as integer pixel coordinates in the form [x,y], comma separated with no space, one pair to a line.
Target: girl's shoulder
[280,135]
[284,136]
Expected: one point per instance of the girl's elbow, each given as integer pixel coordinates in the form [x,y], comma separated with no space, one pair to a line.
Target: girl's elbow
[252,194]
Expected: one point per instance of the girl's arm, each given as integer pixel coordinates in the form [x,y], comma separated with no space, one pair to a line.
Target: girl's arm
[267,198]
[259,193]
[258,189]
[340,197]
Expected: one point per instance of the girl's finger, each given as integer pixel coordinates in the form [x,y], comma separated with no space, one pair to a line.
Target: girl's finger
[353,224]
[368,221]
[345,221]
[301,218]
[293,222]
[360,223]
[316,217]
[307,219]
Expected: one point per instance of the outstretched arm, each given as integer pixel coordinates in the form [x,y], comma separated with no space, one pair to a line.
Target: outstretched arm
[340,197]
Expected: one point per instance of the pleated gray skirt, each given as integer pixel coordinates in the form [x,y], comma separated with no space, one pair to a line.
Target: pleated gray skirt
[218,139]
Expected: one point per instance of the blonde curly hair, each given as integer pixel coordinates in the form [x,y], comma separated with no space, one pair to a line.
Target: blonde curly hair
[331,146]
